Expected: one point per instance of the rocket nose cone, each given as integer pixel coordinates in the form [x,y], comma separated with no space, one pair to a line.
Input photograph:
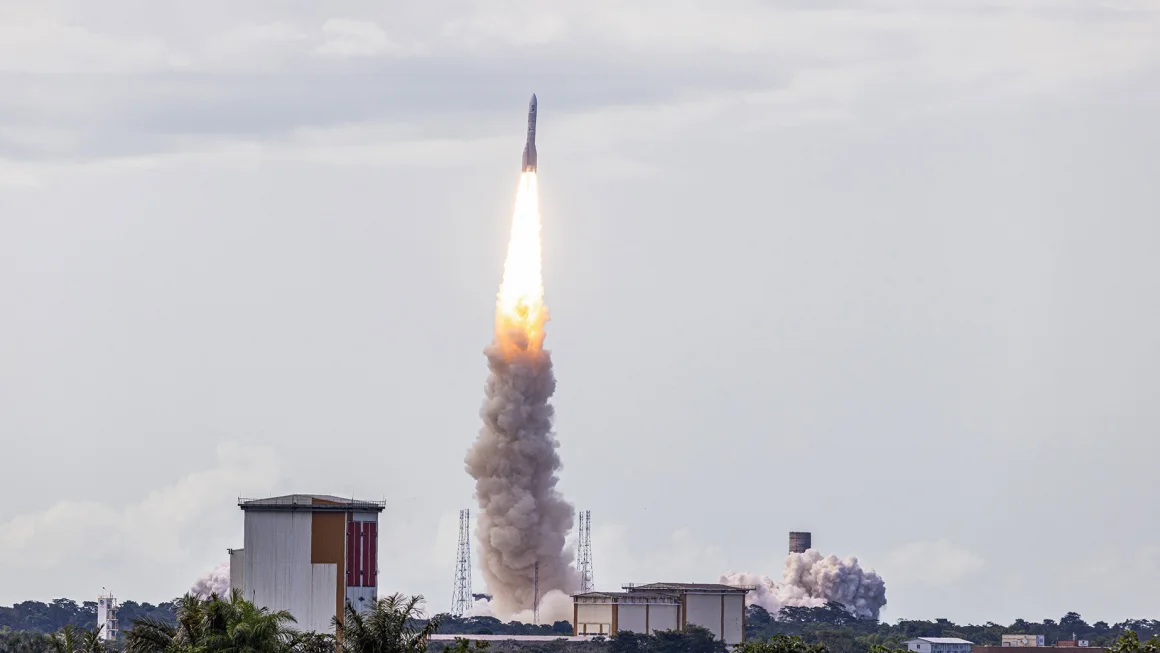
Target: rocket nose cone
[533,99]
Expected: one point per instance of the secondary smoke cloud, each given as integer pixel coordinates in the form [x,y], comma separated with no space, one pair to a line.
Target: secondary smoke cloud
[811,580]
[523,519]
[216,581]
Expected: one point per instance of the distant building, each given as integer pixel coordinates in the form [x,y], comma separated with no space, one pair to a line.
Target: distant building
[1023,640]
[939,645]
[647,609]
[308,554]
[1065,646]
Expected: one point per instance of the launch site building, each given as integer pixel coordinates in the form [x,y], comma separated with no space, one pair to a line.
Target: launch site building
[652,608]
[309,554]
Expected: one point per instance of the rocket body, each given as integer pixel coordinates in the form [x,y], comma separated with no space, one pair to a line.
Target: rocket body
[529,159]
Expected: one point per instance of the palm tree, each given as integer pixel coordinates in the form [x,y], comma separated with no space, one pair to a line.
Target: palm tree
[91,641]
[214,625]
[149,635]
[312,642]
[392,625]
[239,626]
[66,640]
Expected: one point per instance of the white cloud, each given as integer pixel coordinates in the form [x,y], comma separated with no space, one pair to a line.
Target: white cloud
[77,532]
[33,42]
[930,562]
[344,37]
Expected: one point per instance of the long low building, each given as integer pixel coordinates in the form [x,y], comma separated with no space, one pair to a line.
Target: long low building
[656,607]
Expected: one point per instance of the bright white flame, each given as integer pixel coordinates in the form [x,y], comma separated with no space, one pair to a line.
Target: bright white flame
[521,295]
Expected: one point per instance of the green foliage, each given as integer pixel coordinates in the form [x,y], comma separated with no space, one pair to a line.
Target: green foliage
[51,617]
[392,625]
[780,644]
[1129,642]
[462,645]
[215,625]
[693,640]
[452,625]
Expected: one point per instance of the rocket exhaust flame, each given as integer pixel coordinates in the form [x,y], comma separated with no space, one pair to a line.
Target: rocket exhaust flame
[520,303]
[523,520]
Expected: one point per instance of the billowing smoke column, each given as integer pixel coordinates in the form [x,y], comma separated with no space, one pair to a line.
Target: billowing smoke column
[217,581]
[811,580]
[523,519]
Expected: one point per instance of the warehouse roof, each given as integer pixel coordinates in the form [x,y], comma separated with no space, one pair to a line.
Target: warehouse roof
[687,587]
[311,502]
[613,596]
[941,640]
[448,637]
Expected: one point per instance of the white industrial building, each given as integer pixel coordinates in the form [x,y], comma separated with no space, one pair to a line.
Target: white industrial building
[309,555]
[939,645]
[656,607]
[108,628]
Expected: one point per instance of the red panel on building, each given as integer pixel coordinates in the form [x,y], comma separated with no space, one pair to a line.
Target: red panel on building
[351,554]
[366,554]
[373,547]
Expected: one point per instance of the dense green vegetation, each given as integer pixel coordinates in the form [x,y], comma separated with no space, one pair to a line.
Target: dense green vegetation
[40,617]
[396,625]
[842,633]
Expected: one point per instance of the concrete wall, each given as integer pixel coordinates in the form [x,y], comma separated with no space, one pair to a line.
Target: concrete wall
[722,614]
[362,598]
[594,618]
[663,617]
[323,578]
[734,619]
[633,617]
[277,573]
[704,610]
[237,569]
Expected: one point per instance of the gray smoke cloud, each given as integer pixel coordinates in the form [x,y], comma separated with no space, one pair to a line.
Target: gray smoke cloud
[523,519]
[216,581]
[811,580]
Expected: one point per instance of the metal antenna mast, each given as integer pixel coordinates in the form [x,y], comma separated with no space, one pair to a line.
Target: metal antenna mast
[461,600]
[586,578]
[536,594]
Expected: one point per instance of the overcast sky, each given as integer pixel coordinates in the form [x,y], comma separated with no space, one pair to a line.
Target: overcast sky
[887,272]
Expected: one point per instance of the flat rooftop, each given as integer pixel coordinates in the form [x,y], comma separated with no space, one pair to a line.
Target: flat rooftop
[311,503]
[440,637]
[689,587]
[613,597]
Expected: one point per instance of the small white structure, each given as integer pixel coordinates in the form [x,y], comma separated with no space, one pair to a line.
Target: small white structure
[939,645]
[656,607]
[107,626]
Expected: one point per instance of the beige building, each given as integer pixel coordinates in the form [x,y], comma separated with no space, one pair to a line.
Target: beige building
[656,607]
[1022,640]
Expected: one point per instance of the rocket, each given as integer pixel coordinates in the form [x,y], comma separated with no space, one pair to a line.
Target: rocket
[529,162]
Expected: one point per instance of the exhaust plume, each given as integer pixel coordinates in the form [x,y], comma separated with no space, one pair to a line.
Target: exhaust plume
[522,517]
[810,580]
[216,581]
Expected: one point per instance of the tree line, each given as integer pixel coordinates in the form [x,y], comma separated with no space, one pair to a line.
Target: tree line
[396,624]
[841,632]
